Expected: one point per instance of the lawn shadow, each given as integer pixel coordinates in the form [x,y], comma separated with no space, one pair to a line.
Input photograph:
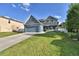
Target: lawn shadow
[68,47]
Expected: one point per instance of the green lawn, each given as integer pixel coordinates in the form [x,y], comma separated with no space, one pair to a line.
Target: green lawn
[48,44]
[4,34]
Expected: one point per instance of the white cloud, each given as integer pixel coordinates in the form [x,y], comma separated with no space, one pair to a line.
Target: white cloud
[57,16]
[26,9]
[23,6]
[13,5]
[26,4]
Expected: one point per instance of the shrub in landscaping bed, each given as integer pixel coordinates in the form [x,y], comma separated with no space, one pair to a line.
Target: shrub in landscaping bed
[77,36]
[74,36]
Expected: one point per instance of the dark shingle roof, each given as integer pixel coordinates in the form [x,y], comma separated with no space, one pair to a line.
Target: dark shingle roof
[50,17]
[32,18]
[41,20]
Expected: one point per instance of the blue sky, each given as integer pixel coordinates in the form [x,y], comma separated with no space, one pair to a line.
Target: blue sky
[21,11]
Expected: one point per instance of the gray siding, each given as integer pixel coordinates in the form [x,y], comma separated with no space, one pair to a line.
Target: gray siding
[34,28]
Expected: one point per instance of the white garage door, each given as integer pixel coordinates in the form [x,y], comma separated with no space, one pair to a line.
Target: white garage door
[32,29]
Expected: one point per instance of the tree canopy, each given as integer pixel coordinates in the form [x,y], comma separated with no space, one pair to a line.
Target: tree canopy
[73,18]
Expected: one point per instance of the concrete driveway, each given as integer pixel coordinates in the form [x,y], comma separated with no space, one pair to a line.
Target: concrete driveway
[8,41]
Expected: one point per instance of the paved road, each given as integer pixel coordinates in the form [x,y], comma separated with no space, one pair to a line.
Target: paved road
[7,42]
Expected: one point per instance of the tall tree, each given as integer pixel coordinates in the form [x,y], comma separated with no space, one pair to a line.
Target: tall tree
[73,18]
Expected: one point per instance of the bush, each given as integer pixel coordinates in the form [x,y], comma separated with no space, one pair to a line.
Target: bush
[20,30]
[77,36]
[74,36]
[14,30]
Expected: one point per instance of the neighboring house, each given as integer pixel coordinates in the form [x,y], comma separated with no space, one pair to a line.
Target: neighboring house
[34,25]
[50,23]
[8,24]
[62,27]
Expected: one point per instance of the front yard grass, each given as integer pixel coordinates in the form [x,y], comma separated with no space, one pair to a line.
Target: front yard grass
[4,34]
[47,44]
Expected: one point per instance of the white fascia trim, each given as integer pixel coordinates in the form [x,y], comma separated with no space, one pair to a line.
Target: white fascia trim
[27,19]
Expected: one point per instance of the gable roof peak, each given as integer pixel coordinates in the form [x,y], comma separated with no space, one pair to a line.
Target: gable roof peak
[31,17]
[51,17]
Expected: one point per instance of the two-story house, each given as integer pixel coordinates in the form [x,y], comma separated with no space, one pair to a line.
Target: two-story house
[34,25]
